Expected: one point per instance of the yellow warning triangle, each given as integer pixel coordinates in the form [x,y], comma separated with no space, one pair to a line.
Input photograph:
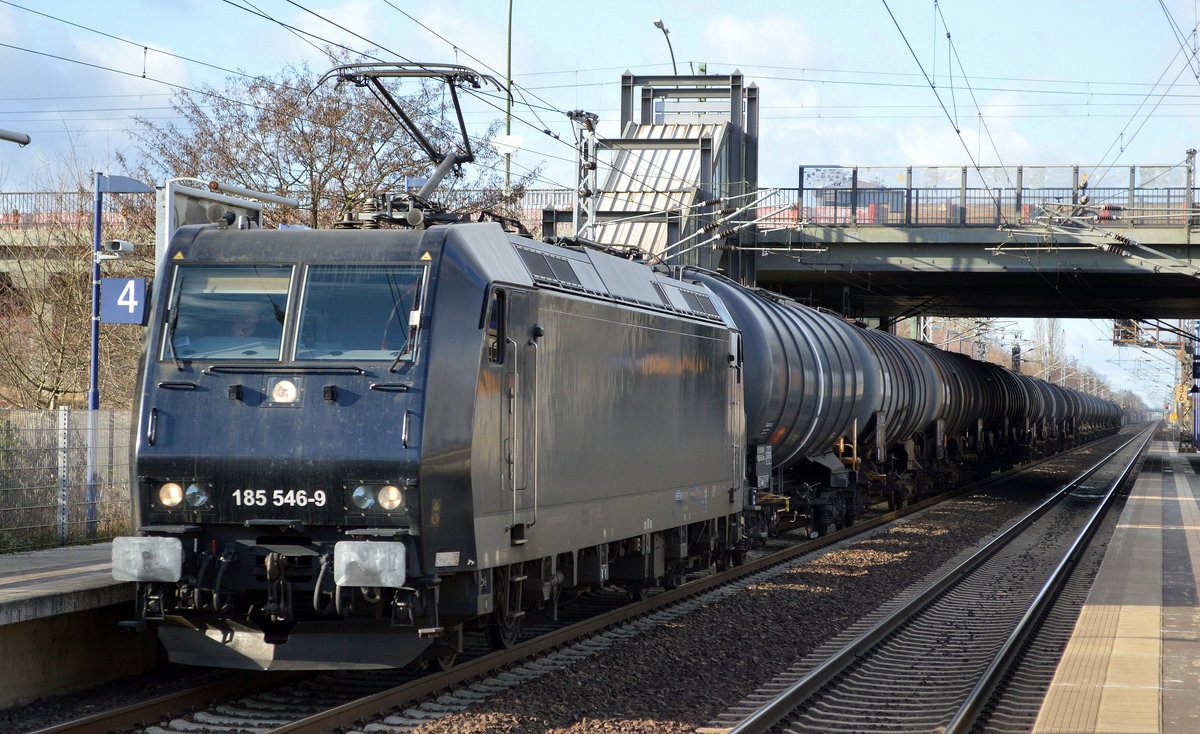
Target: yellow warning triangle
[426,256]
[178,256]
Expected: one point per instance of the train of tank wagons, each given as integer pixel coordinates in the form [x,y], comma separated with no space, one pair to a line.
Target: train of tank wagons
[354,447]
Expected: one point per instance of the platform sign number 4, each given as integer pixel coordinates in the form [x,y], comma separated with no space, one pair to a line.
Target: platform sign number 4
[123,300]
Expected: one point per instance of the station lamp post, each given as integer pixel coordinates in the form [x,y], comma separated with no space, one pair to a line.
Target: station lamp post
[667,35]
[20,139]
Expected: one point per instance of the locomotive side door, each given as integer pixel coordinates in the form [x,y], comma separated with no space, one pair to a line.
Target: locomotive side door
[520,411]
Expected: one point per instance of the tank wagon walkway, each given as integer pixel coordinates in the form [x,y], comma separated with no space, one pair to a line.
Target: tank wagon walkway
[1133,663]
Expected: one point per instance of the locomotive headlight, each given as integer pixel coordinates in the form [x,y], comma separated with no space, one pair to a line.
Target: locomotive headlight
[196,495]
[170,494]
[363,497]
[390,497]
[284,391]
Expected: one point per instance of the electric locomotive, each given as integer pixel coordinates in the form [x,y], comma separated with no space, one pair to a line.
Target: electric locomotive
[353,446]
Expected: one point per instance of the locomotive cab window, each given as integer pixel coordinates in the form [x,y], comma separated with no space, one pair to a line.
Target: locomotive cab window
[227,312]
[495,327]
[361,312]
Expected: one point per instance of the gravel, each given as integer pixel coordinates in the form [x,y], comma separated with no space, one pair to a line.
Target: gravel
[680,676]
[53,710]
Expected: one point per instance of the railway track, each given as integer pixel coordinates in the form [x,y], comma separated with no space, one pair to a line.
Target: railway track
[933,658]
[313,703]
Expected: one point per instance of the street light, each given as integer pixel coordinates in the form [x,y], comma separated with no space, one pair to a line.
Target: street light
[667,35]
[20,139]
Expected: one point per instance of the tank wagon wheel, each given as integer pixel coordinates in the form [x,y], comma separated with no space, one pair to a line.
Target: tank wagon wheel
[674,576]
[730,559]
[824,520]
[773,526]
[504,627]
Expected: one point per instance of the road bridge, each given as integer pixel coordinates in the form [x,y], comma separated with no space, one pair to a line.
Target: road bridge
[887,242]
[1022,241]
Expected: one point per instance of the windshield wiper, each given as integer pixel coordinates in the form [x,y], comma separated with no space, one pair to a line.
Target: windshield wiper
[174,319]
[409,338]
[399,358]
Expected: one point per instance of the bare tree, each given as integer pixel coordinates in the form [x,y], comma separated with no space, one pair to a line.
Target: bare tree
[329,146]
[46,307]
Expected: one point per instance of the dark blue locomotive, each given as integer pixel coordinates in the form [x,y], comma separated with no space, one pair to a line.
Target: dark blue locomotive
[352,447]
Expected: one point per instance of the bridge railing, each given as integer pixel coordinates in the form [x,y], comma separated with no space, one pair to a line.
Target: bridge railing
[841,196]
[987,197]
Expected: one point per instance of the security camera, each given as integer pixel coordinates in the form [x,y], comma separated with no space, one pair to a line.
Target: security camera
[118,246]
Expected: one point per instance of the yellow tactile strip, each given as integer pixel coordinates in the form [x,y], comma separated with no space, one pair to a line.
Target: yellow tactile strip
[1109,677]
[4,581]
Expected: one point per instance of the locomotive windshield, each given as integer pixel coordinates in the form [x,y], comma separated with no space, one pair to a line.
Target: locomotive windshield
[227,312]
[360,312]
[348,312]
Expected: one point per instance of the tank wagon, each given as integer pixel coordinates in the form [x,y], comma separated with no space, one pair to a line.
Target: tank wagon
[352,447]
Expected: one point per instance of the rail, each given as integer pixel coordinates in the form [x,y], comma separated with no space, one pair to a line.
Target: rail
[774,711]
[968,713]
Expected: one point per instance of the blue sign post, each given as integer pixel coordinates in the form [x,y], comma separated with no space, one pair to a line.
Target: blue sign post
[116,185]
[123,300]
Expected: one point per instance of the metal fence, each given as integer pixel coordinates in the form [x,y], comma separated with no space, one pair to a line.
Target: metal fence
[48,495]
[989,196]
[895,196]
[70,210]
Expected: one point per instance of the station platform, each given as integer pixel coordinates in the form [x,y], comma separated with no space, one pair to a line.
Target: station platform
[59,614]
[58,581]
[1133,662]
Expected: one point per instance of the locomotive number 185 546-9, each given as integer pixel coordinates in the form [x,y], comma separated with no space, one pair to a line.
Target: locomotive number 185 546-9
[278,498]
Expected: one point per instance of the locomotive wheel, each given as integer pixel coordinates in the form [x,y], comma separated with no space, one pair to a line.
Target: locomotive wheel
[442,663]
[503,628]
[638,591]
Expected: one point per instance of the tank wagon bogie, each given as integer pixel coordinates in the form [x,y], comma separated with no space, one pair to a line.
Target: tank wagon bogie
[354,447]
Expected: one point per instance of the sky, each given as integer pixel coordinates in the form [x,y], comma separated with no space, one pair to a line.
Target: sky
[856,82]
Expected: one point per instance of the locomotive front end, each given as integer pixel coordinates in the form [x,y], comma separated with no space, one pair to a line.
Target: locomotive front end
[276,456]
